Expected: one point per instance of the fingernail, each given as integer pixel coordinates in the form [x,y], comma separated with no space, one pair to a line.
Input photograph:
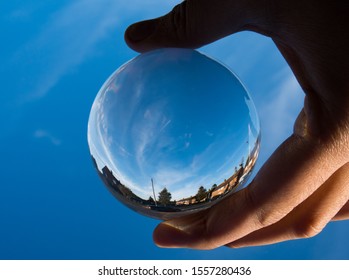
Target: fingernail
[140,31]
[167,236]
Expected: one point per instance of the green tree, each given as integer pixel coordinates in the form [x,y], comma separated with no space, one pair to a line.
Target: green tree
[201,194]
[164,197]
[151,200]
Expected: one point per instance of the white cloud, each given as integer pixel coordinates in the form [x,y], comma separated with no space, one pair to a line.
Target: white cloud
[72,34]
[44,134]
[69,36]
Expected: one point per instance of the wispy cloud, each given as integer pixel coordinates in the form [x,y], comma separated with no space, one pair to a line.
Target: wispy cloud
[168,176]
[150,136]
[44,134]
[70,35]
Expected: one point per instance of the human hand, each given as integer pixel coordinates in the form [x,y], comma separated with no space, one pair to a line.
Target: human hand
[305,183]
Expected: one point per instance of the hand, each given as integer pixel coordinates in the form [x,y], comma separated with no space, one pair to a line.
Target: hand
[305,183]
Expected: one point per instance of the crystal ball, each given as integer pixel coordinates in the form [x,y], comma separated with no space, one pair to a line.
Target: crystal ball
[172,132]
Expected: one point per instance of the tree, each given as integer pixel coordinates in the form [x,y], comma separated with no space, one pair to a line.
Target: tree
[151,200]
[164,197]
[201,194]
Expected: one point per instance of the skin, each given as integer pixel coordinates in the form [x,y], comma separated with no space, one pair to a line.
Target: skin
[305,183]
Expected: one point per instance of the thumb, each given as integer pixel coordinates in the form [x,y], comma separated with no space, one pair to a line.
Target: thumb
[191,24]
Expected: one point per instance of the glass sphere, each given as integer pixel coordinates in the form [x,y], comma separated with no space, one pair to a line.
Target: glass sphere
[172,132]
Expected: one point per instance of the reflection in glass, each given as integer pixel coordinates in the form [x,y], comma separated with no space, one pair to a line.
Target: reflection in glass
[172,132]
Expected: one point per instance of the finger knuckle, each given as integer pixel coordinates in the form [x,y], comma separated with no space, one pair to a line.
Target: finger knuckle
[263,216]
[308,229]
[267,217]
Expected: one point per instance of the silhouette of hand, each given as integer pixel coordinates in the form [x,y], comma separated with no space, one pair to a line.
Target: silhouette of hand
[305,183]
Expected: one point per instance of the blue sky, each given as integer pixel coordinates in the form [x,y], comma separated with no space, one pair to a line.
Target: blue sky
[55,56]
